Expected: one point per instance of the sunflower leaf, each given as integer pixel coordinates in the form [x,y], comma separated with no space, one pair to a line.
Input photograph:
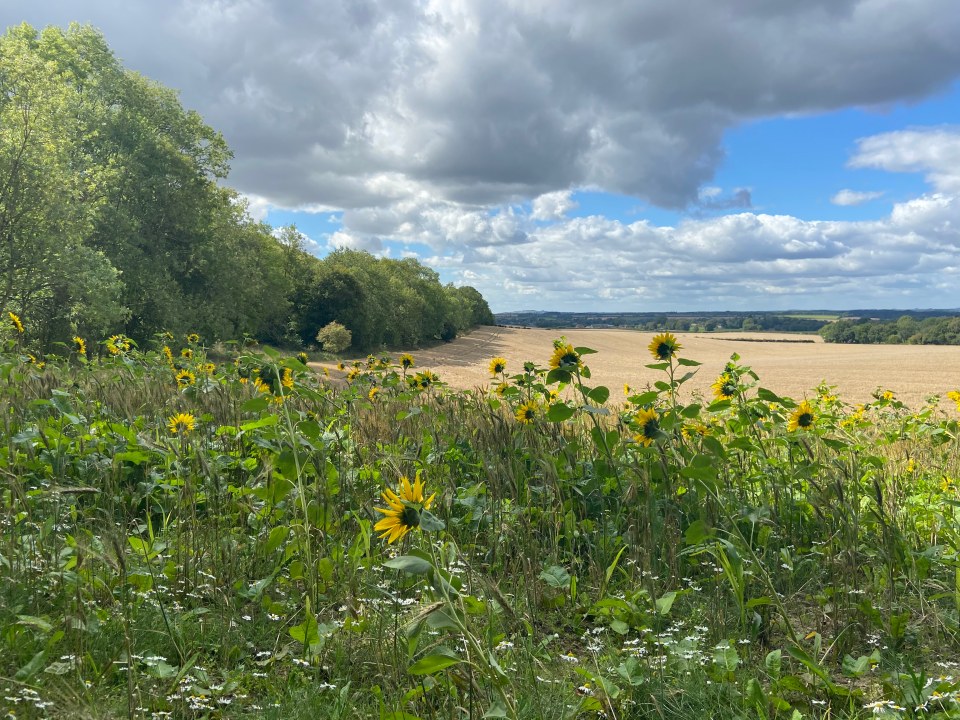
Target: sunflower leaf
[688,363]
[768,395]
[434,663]
[558,412]
[430,522]
[255,405]
[599,394]
[558,375]
[410,564]
[644,398]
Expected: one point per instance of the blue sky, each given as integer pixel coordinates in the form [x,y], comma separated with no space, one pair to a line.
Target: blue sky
[561,155]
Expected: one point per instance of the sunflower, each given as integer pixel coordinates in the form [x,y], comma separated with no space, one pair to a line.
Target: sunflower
[802,418]
[118,344]
[403,513]
[498,365]
[193,338]
[564,356]
[406,361]
[79,345]
[32,359]
[527,412]
[649,423]
[353,374]
[186,353]
[500,388]
[341,366]
[854,418]
[695,430]
[303,357]
[286,378]
[17,325]
[425,379]
[260,385]
[185,377]
[372,395]
[181,423]
[208,368]
[887,395]
[664,346]
[725,387]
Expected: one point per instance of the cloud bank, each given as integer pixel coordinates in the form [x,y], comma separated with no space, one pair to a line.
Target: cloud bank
[489,101]
[747,260]
[467,126]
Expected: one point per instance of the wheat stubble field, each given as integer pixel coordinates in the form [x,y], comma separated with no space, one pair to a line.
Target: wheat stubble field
[794,369]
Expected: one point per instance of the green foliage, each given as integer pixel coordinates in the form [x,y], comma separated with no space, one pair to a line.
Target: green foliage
[334,337]
[112,219]
[203,540]
[384,302]
[685,322]
[905,330]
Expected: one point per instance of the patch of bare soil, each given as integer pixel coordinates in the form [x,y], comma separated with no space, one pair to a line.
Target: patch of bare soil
[790,368]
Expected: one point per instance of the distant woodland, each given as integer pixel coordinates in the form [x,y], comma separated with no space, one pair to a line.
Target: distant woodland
[678,322]
[904,330]
[113,219]
[922,327]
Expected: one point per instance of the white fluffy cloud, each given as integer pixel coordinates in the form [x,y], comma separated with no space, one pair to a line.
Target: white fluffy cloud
[933,151]
[911,257]
[463,126]
[848,197]
[552,206]
[488,101]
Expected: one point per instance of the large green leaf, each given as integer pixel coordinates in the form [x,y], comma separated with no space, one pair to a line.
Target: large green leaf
[435,662]
[558,412]
[410,564]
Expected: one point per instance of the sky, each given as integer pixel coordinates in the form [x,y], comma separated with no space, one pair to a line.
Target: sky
[633,155]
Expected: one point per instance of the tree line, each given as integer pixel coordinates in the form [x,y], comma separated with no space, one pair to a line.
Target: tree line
[680,322]
[113,219]
[905,330]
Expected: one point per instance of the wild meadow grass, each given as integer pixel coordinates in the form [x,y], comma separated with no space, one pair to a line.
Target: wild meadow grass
[189,537]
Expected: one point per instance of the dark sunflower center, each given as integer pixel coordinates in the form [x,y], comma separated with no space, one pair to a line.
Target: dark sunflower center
[650,428]
[729,389]
[410,517]
[664,351]
[569,359]
[805,420]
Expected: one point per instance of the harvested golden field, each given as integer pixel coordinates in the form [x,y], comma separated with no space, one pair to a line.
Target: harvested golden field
[913,372]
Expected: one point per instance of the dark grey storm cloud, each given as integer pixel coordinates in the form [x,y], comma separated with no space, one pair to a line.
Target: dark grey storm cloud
[355,104]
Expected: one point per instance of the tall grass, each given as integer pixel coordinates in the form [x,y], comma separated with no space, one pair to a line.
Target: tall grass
[207,547]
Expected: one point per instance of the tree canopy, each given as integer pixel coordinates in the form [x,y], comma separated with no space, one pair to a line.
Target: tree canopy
[114,218]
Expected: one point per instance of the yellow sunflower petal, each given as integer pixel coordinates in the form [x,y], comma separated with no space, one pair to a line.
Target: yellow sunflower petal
[388,525]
